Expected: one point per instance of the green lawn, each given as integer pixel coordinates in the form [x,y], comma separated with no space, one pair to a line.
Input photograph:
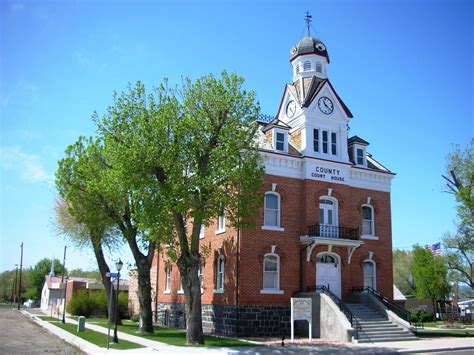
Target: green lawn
[175,337]
[96,338]
[48,318]
[445,333]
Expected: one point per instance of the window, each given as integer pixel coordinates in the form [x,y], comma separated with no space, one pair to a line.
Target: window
[167,279]
[200,276]
[180,291]
[271,271]
[325,142]
[272,210]
[280,141]
[369,274]
[220,274]
[328,220]
[221,222]
[318,67]
[367,220]
[306,66]
[360,156]
[201,232]
[333,144]
[316,140]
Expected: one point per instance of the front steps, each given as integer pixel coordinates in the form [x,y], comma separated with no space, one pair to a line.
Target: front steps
[377,327]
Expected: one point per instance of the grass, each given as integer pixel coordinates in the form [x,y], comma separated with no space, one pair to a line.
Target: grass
[461,333]
[441,323]
[176,337]
[96,338]
[48,318]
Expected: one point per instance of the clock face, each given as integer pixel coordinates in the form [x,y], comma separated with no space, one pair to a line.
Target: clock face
[291,109]
[325,105]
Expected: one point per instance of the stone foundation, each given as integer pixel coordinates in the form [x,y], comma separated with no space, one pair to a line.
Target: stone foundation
[253,321]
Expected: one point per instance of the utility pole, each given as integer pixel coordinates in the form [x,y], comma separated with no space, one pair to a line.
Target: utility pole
[64,286]
[19,283]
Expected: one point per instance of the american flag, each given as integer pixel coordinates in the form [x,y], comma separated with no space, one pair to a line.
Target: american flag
[435,249]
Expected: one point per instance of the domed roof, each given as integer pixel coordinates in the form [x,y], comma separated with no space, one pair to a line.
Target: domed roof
[308,45]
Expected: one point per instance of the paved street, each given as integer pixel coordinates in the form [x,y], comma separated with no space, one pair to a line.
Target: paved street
[19,335]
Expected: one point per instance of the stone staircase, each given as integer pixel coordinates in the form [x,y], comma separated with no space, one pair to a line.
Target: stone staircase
[375,326]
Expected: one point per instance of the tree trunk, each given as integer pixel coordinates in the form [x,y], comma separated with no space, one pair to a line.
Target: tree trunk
[104,269]
[144,297]
[188,267]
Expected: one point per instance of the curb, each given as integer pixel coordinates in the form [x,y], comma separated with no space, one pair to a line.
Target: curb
[435,350]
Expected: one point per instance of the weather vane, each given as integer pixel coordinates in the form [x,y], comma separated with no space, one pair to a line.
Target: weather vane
[308,18]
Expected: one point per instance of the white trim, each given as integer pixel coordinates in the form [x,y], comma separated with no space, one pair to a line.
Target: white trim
[375,272]
[180,292]
[272,254]
[271,292]
[167,292]
[369,237]
[222,227]
[219,292]
[278,210]
[218,261]
[372,220]
[273,228]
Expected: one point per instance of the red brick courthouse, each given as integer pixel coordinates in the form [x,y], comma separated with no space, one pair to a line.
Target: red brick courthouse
[326,218]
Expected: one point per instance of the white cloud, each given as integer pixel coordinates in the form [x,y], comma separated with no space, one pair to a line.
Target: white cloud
[28,166]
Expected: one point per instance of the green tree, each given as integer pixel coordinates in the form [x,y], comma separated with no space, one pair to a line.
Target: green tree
[190,154]
[459,247]
[402,275]
[37,274]
[89,274]
[430,274]
[86,211]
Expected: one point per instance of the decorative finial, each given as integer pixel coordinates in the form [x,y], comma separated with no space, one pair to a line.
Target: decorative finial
[308,18]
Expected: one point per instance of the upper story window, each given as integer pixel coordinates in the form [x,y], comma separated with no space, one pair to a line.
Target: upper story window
[201,232]
[221,222]
[307,66]
[360,156]
[272,209]
[271,272]
[316,140]
[333,144]
[280,141]
[167,279]
[367,220]
[318,67]
[220,273]
[200,276]
[325,142]
[297,69]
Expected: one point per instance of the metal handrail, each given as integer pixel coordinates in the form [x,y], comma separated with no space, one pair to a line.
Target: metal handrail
[329,231]
[342,307]
[399,311]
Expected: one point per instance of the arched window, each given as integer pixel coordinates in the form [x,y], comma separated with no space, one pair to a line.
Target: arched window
[328,216]
[220,273]
[307,66]
[272,210]
[367,220]
[318,67]
[369,274]
[271,272]
[167,279]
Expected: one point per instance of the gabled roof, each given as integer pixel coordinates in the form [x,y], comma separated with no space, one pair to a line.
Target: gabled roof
[357,139]
[276,123]
[312,87]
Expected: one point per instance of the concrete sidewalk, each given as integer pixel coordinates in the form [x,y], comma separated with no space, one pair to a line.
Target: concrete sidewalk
[317,346]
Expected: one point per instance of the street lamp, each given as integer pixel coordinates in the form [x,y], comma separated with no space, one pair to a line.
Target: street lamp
[14,285]
[118,265]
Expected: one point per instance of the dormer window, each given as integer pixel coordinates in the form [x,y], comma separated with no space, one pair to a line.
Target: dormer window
[280,141]
[360,156]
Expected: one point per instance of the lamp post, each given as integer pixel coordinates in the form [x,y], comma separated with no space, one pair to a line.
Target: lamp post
[65,296]
[19,282]
[118,265]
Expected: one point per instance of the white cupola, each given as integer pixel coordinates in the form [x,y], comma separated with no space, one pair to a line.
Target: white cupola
[309,57]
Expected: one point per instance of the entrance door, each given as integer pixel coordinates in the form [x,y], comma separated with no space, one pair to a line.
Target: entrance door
[327,218]
[369,274]
[328,273]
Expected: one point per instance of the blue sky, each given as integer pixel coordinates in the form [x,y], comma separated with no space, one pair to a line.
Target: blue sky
[404,68]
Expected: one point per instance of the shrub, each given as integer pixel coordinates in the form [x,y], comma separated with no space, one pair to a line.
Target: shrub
[135,318]
[420,316]
[94,303]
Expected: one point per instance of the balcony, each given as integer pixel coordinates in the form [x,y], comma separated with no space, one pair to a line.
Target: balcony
[328,231]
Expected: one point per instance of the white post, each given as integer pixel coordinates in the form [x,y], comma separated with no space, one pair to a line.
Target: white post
[310,330]
[292,324]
